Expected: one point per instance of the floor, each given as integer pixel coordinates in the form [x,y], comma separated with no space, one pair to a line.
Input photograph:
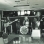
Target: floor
[34,41]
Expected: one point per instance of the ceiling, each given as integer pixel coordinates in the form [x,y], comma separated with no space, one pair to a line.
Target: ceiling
[14,5]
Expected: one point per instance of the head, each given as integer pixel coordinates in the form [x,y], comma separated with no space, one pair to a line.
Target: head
[26,18]
[27,24]
[38,14]
[8,17]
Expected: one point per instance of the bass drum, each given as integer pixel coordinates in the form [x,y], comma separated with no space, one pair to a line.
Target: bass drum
[24,30]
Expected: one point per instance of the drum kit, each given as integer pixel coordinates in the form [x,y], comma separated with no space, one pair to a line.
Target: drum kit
[23,29]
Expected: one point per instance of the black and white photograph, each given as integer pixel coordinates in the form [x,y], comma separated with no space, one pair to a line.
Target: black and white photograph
[21,21]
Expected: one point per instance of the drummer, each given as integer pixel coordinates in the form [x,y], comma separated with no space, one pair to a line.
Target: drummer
[25,20]
[27,24]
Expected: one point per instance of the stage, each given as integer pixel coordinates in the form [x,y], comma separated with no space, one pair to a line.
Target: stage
[12,36]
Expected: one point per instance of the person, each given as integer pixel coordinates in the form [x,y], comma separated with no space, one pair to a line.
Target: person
[27,24]
[37,23]
[25,20]
[18,26]
[7,27]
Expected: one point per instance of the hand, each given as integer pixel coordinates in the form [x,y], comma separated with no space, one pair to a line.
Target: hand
[16,19]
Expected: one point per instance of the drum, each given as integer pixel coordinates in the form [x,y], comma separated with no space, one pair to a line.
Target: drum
[24,30]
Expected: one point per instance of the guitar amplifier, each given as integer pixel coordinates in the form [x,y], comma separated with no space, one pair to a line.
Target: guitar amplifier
[36,34]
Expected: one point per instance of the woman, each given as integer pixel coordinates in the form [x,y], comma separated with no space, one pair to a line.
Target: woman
[26,25]
[25,20]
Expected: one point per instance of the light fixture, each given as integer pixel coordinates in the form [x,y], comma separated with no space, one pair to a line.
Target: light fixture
[18,13]
[34,12]
[28,12]
[25,12]
[20,5]
[22,12]
[17,1]
[33,7]
[36,4]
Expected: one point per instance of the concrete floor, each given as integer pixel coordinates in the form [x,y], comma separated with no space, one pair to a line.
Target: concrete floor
[34,41]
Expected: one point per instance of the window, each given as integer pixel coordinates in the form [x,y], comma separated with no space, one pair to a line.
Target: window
[19,13]
[22,12]
[28,12]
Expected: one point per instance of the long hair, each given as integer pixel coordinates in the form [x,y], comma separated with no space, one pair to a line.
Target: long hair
[25,20]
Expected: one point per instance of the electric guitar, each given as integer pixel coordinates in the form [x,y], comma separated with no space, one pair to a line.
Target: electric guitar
[8,23]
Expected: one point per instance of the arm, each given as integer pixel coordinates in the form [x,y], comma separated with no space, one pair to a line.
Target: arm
[8,23]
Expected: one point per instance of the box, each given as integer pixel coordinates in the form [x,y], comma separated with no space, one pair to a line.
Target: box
[36,34]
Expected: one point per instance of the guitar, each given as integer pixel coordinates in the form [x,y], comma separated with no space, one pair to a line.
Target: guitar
[8,23]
